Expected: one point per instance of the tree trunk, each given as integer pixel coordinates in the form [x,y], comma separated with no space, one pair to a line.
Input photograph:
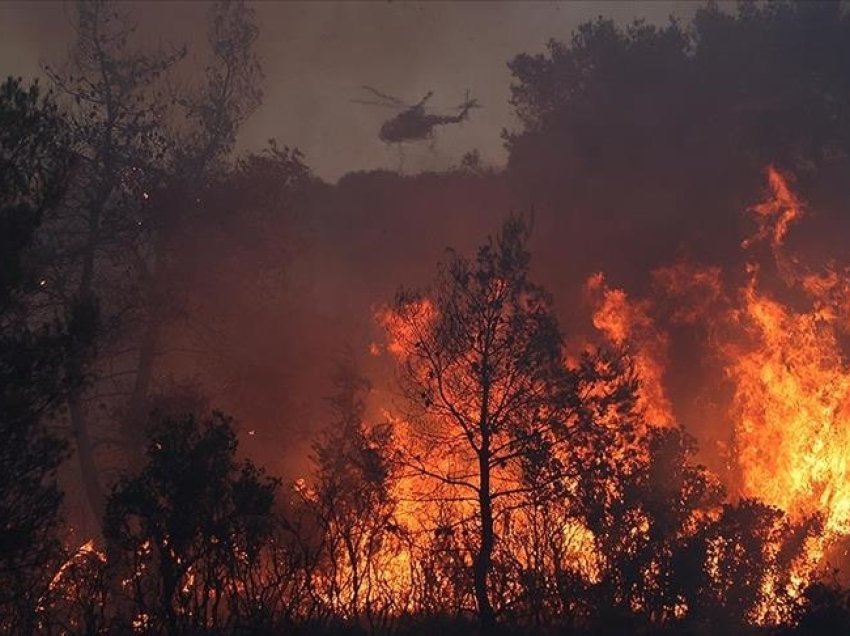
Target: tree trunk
[483,560]
[353,559]
[79,425]
[136,414]
[85,455]
[133,424]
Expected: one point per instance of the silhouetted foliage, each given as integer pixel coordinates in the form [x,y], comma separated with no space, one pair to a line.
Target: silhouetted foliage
[826,610]
[650,137]
[34,349]
[187,520]
[353,505]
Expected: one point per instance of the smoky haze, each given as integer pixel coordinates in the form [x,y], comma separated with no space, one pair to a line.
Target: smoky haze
[653,161]
[315,58]
[350,246]
[317,55]
[578,362]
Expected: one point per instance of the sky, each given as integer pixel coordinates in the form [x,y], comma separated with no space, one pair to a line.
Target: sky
[317,55]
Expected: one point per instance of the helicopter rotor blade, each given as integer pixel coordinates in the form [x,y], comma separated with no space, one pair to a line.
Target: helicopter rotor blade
[373,103]
[425,98]
[384,96]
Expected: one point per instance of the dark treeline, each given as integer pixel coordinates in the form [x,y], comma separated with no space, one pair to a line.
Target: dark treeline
[149,276]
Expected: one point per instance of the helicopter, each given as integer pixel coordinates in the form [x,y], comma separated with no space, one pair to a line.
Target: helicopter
[413,123]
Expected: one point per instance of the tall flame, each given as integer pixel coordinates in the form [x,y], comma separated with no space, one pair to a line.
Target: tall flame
[623,320]
[791,401]
[778,340]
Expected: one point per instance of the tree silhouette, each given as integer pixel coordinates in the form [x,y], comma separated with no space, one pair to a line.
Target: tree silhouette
[183,520]
[826,611]
[645,534]
[760,82]
[147,156]
[34,350]
[117,144]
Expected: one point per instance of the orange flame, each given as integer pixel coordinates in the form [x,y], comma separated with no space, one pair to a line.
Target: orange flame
[782,359]
[792,384]
[623,321]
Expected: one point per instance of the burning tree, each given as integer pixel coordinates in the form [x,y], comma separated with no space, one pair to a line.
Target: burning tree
[354,506]
[776,333]
[494,402]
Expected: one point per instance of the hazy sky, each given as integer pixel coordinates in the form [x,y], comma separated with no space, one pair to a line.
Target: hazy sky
[316,55]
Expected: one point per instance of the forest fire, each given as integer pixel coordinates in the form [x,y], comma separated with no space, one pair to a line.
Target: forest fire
[553,460]
[614,399]
[789,405]
[790,382]
[789,401]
